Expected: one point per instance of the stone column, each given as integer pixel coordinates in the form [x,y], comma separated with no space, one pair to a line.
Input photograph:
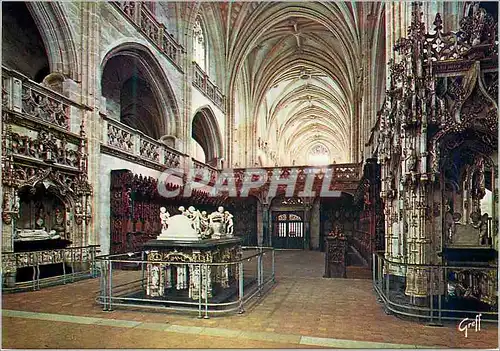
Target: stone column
[90,97]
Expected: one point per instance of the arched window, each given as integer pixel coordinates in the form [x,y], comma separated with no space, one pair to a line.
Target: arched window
[319,155]
[199,44]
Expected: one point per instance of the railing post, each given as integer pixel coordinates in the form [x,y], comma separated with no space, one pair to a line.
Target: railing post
[240,294]
[136,147]
[105,127]
[72,266]
[431,303]
[38,276]
[199,291]
[259,274]
[138,13]
[374,263]
[273,268]
[17,95]
[261,268]
[104,284]
[386,275]
[205,266]
[142,270]
[64,266]
[110,285]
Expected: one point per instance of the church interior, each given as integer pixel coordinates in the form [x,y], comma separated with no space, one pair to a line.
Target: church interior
[249,174]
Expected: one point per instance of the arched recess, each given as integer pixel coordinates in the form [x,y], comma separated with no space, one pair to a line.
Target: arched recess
[52,22]
[137,91]
[23,48]
[206,132]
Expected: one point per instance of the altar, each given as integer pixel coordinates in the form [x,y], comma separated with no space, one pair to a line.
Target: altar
[193,254]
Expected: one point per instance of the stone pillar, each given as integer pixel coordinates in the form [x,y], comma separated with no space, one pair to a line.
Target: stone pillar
[91,120]
[315,225]
[260,224]
[266,228]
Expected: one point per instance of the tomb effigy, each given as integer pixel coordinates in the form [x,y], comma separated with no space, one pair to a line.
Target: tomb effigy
[191,250]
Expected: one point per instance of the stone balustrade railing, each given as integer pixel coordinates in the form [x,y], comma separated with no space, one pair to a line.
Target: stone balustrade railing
[209,89]
[126,139]
[212,171]
[39,103]
[140,15]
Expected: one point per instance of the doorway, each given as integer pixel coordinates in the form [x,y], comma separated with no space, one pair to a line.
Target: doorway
[288,229]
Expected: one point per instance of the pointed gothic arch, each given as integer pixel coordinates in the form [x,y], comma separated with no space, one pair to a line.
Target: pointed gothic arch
[206,132]
[154,109]
[58,38]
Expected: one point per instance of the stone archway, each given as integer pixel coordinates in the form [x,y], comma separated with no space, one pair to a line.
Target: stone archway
[57,36]
[137,91]
[206,132]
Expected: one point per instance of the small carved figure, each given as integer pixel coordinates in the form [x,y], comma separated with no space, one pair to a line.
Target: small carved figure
[78,208]
[15,203]
[59,220]
[217,222]
[164,216]
[6,201]
[182,210]
[475,218]
[40,219]
[229,223]
[195,216]
[450,226]
[412,160]
[483,230]
[204,225]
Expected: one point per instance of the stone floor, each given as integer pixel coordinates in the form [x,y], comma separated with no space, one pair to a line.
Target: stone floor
[303,310]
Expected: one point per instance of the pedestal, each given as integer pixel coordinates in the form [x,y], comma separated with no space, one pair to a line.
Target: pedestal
[176,266]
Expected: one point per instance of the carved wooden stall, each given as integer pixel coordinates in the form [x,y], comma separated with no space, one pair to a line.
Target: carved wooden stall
[368,234]
[47,199]
[135,205]
[438,151]
[336,254]
[245,218]
[337,213]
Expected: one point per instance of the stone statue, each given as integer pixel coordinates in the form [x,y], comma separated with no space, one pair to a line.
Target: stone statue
[205,225]
[15,203]
[450,226]
[195,216]
[59,220]
[164,216]
[229,223]
[217,222]
[40,219]
[412,160]
[483,230]
[78,208]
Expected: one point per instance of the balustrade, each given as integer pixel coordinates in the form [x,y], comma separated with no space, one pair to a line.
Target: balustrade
[141,16]
[209,89]
[126,139]
[202,166]
[38,103]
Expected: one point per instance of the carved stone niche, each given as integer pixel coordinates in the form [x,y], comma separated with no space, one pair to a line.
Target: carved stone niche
[42,214]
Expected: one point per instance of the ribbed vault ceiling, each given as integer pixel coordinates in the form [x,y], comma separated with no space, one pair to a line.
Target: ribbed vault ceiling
[298,65]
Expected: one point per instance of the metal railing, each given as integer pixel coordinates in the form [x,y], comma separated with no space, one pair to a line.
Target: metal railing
[447,298]
[250,277]
[77,263]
